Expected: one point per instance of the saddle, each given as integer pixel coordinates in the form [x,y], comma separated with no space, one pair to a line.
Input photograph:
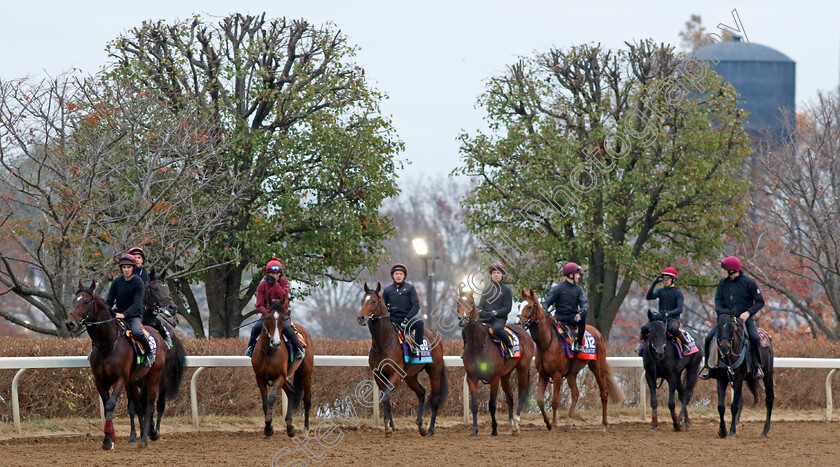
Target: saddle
[764,340]
[289,346]
[422,355]
[138,348]
[515,351]
[588,352]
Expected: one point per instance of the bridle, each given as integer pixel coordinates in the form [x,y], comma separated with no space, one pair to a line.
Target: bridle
[91,305]
[463,321]
[727,357]
[529,323]
[366,320]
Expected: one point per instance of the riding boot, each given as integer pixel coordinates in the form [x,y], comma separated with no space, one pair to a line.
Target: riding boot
[164,333]
[683,342]
[758,373]
[291,335]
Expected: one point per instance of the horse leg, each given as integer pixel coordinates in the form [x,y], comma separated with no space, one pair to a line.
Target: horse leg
[523,380]
[509,399]
[769,396]
[603,390]
[688,393]
[148,397]
[491,406]
[132,438]
[290,393]
[737,406]
[543,383]
[154,435]
[106,396]
[420,391]
[721,390]
[673,385]
[307,394]
[268,431]
[650,377]
[555,399]
[473,385]
[394,380]
[133,393]
[571,378]
[437,382]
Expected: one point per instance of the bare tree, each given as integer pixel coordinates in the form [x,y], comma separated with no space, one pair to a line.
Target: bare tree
[90,168]
[795,245]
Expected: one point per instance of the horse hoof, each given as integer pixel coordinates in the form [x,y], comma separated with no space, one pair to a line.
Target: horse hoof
[654,428]
[268,432]
[154,436]
[107,444]
[422,431]
[267,437]
[474,434]
[388,434]
[677,427]
[290,430]
[430,432]
[721,434]
[732,435]
[132,439]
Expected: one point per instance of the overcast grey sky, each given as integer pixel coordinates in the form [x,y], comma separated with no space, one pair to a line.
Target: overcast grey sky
[433,57]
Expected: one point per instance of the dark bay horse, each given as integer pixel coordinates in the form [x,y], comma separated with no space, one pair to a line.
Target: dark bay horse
[553,364]
[733,357]
[483,361]
[385,359]
[112,362]
[662,361]
[272,369]
[156,299]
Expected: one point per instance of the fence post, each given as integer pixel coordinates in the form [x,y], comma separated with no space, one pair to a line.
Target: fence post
[101,408]
[193,396]
[375,393]
[829,398]
[465,395]
[15,401]
[284,403]
[642,397]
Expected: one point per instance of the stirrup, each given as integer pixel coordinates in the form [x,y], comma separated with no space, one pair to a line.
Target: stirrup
[758,373]
[168,341]
[300,353]
[249,352]
[705,372]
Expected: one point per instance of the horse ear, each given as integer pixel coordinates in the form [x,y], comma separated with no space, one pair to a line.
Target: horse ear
[650,314]
[523,293]
[92,285]
[378,287]
[367,289]
[163,276]
[80,284]
[152,274]
[531,294]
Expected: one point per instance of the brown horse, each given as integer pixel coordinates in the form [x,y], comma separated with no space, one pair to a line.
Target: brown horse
[553,365]
[484,362]
[156,299]
[112,362]
[385,359]
[272,369]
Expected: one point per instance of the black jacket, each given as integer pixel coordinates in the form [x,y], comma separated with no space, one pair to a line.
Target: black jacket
[127,295]
[143,274]
[670,300]
[495,302]
[568,300]
[740,295]
[402,301]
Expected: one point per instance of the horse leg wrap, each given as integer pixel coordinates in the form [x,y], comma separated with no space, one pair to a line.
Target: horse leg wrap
[109,430]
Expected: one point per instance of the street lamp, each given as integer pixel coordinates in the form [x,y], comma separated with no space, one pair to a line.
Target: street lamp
[422,250]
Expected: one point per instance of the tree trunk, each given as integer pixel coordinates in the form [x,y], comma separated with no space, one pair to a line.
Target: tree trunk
[187,305]
[223,299]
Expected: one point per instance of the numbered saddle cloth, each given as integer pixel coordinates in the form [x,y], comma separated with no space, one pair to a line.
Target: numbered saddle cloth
[692,344]
[424,355]
[764,338]
[138,349]
[588,352]
[516,352]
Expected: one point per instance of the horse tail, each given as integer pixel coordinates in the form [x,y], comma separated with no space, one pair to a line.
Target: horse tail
[175,368]
[616,393]
[297,390]
[438,399]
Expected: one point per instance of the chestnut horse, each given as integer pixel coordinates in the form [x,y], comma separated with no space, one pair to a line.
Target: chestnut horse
[156,298]
[483,361]
[553,365]
[272,369]
[385,359]
[112,362]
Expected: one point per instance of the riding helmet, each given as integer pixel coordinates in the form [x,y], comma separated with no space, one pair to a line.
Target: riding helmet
[570,269]
[731,263]
[137,251]
[399,267]
[498,266]
[670,272]
[274,265]
[128,260]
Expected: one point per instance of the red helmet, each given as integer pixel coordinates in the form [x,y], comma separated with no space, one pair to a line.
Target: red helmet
[128,260]
[274,265]
[731,263]
[570,268]
[137,251]
[497,266]
[670,272]
[399,267]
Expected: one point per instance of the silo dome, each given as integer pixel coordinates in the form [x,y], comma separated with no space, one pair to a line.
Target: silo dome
[765,79]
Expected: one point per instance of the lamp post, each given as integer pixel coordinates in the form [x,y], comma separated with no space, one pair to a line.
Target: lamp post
[422,251]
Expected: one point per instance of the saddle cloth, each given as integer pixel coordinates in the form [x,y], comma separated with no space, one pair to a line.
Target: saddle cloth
[424,355]
[516,352]
[138,349]
[588,352]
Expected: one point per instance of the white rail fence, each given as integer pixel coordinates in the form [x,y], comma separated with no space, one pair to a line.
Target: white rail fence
[22,364]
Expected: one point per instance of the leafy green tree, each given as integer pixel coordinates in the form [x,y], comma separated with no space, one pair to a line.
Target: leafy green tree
[623,161]
[299,128]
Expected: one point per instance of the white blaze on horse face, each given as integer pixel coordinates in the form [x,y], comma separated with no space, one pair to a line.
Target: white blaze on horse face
[275,339]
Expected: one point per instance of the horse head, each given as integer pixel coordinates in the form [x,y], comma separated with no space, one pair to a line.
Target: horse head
[531,311]
[467,310]
[273,322]
[657,339]
[157,295]
[87,307]
[727,335]
[373,306]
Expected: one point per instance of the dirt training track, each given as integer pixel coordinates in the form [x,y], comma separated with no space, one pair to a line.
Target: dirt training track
[789,443]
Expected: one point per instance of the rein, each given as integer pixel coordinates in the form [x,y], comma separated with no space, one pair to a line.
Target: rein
[529,323]
[367,321]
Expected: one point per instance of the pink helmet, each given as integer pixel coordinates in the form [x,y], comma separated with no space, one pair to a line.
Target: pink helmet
[670,272]
[137,251]
[497,266]
[570,269]
[731,263]
[274,265]
[128,260]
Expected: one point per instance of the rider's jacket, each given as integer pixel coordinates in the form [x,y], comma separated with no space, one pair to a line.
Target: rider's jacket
[670,300]
[495,303]
[401,300]
[740,294]
[127,295]
[267,291]
[568,300]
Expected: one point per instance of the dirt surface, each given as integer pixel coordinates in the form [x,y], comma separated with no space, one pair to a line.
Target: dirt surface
[625,443]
